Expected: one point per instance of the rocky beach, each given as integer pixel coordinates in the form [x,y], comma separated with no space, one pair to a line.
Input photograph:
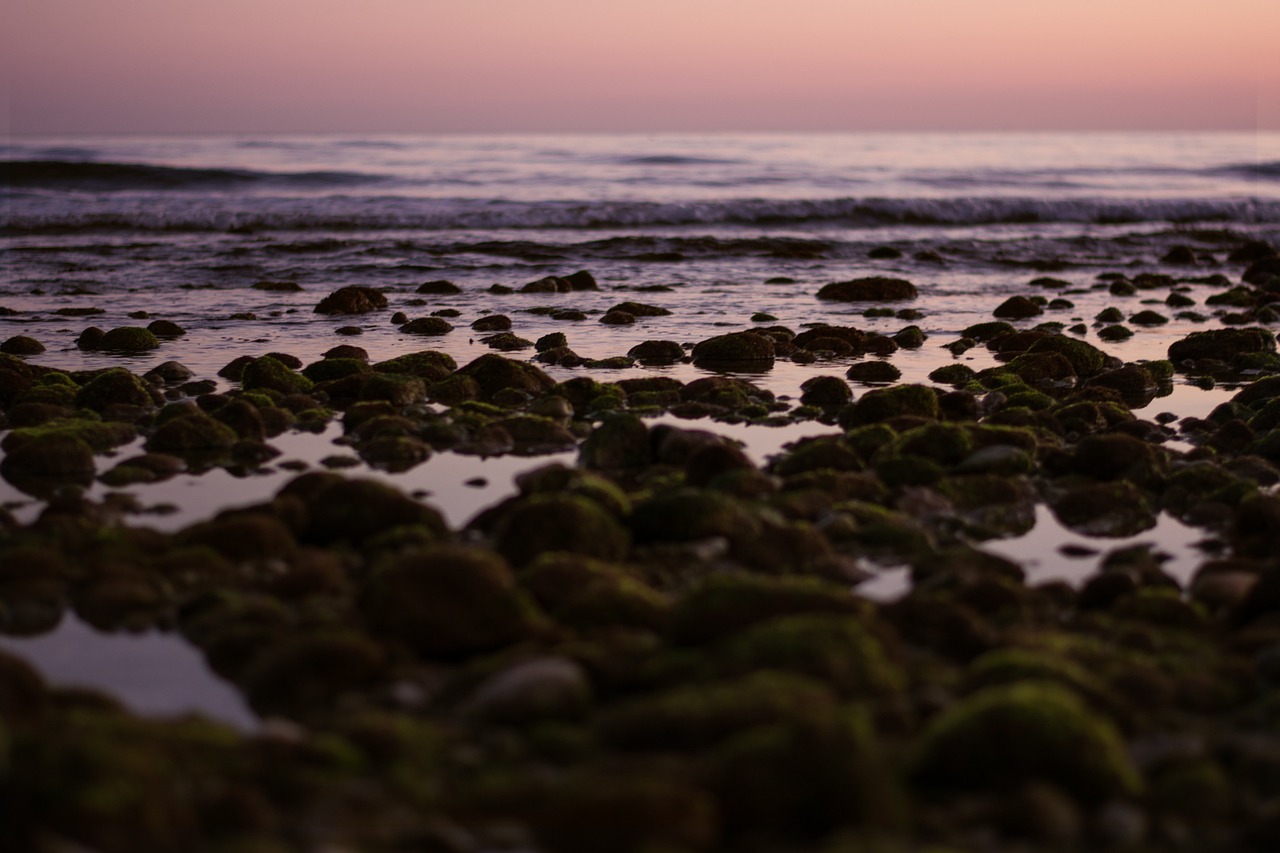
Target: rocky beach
[751,494]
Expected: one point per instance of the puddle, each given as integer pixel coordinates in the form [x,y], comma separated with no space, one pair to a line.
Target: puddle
[153,674]
[1039,551]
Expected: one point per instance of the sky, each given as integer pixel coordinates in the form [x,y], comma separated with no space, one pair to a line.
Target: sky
[258,66]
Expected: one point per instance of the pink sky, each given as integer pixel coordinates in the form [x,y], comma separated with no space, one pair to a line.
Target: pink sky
[584,65]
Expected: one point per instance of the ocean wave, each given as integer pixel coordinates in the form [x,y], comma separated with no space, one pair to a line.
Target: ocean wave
[1266,170]
[105,177]
[350,213]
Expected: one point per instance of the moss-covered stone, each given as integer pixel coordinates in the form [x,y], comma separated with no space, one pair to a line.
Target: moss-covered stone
[1003,737]
[688,515]
[352,300]
[494,374]
[268,373]
[699,716]
[21,345]
[585,593]
[744,347]
[191,433]
[877,372]
[1105,509]
[1085,358]
[723,604]
[128,339]
[546,523]
[619,443]
[885,403]
[449,601]
[46,461]
[357,510]
[1221,344]
[429,365]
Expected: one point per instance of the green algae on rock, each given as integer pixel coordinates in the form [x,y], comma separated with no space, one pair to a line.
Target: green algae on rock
[1003,737]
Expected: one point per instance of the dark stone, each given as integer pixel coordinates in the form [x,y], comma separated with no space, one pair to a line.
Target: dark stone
[870,289]
[1017,308]
[128,339]
[165,329]
[352,300]
[22,345]
[639,309]
[1223,344]
[492,323]
[735,347]
[657,352]
[877,371]
[439,287]
[427,326]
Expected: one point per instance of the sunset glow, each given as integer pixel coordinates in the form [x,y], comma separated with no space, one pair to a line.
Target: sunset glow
[408,65]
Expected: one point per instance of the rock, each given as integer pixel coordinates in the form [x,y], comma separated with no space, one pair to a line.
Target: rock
[874,372]
[492,323]
[169,373]
[494,374]
[1046,734]
[191,433]
[721,605]
[545,523]
[871,289]
[700,716]
[616,318]
[735,347]
[352,300]
[114,387]
[278,286]
[506,342]
[1017,308]
[639,309]
[303,670]
[537,689]
[429,365]
[1262,270]
[825,391]
[582,280]
[449,602]
[1181,255]
[357,510]
[128,339]
[440,287]
[1135,384]
[268,373]
[910,337]
[1222,344]
[587,594]
[619,443]
[688,515]
[44,462]
[885,403]
[657,352]
[165,329]
[22,345]
[1085,358]
[427,326]
[329,369]
[1106,509]
[550,284]
[91,339]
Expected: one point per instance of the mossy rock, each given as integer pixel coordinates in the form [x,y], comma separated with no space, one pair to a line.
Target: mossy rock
[736,347]
[46,461]
[1085,358]
[585,593]
[555,478]
[1041,368]
[619,443]
[1113,509]
[724,604]
[825,391]
[657,352]
[699,716]
[269,374]
[429,365]
[687,515]
[21,345]
[494,374]
[883,404]
[869,289]
[838,649]
[449,602]
[545,523]
[943,443]
[352,300]
[128,339]
[1004,737]
[101,436]
[879,372]
[805,778]
[1017,308]
[191,433]
[952,374]
[1221,344]
[427,326]
[328,369]
[357,510]
[988,331]
[639,309]
[304,671]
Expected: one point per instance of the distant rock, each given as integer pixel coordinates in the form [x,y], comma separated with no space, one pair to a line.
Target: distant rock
[871,289]
[352,300]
